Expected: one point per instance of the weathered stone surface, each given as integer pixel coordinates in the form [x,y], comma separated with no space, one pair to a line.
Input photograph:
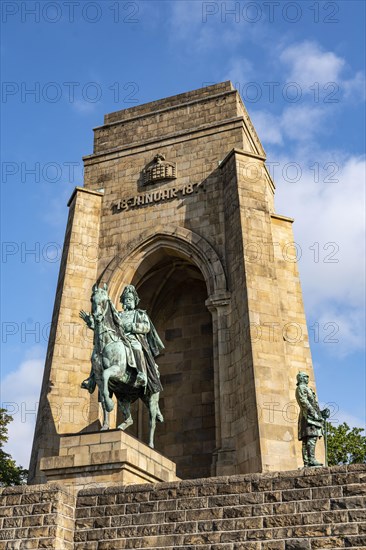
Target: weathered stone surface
[180,515]
[330,542]
[350,542]
[347,503]
[297,544]
[124,460]
[45,520]
[357,515]
[297,494]
[354,489]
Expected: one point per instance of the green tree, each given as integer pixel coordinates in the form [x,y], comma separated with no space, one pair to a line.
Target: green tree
[10,473]
[345,445]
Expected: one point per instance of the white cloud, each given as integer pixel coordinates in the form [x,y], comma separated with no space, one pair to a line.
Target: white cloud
[341,330]
[186,25]
[355,87]
[301,122]
[308,63]
[20,395]
[268,127]
[201,28]
[84,107]
[240,70]
[298,123]
[311,103]
[329,228]
[353,421]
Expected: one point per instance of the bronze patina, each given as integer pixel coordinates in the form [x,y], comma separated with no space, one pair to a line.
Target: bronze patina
[311,420]
[123,359]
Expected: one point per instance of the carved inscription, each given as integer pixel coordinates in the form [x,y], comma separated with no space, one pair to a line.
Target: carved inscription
[153,197]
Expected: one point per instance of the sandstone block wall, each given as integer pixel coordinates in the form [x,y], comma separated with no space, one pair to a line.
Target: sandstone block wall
[311,509]
[37,516]
[64,407]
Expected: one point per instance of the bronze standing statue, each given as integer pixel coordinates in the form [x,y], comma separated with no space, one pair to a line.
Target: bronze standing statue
[311,420]
[123,359]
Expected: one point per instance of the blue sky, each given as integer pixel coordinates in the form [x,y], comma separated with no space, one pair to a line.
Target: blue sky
[300,68]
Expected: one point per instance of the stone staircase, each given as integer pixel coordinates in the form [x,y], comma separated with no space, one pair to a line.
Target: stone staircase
[320,508]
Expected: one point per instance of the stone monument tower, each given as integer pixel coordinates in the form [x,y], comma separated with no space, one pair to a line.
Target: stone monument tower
[177,201]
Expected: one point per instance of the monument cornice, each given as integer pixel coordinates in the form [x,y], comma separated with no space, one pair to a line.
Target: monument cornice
[241,152]
[282,218]
[164,140]
[165,110]
[155,108]
[83,190]
[236,151]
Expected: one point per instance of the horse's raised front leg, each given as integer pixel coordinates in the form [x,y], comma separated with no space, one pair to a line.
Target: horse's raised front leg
[107,373]
[127,420]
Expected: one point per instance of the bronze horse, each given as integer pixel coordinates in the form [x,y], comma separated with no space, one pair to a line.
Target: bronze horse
[112,365]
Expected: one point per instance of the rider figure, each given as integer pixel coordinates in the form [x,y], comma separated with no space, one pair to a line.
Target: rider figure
[143,339]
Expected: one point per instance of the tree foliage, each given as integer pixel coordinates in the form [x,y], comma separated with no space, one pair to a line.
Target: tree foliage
[345,445]
[10,473]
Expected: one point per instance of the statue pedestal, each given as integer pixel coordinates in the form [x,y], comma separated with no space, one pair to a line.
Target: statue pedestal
[108,458]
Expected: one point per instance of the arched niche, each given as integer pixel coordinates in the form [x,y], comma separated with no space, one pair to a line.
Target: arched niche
[181,284]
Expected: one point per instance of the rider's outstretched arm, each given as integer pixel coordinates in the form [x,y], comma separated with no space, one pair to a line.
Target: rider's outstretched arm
[88,318]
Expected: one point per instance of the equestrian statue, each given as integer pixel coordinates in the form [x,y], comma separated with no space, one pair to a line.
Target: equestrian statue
[123,359]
